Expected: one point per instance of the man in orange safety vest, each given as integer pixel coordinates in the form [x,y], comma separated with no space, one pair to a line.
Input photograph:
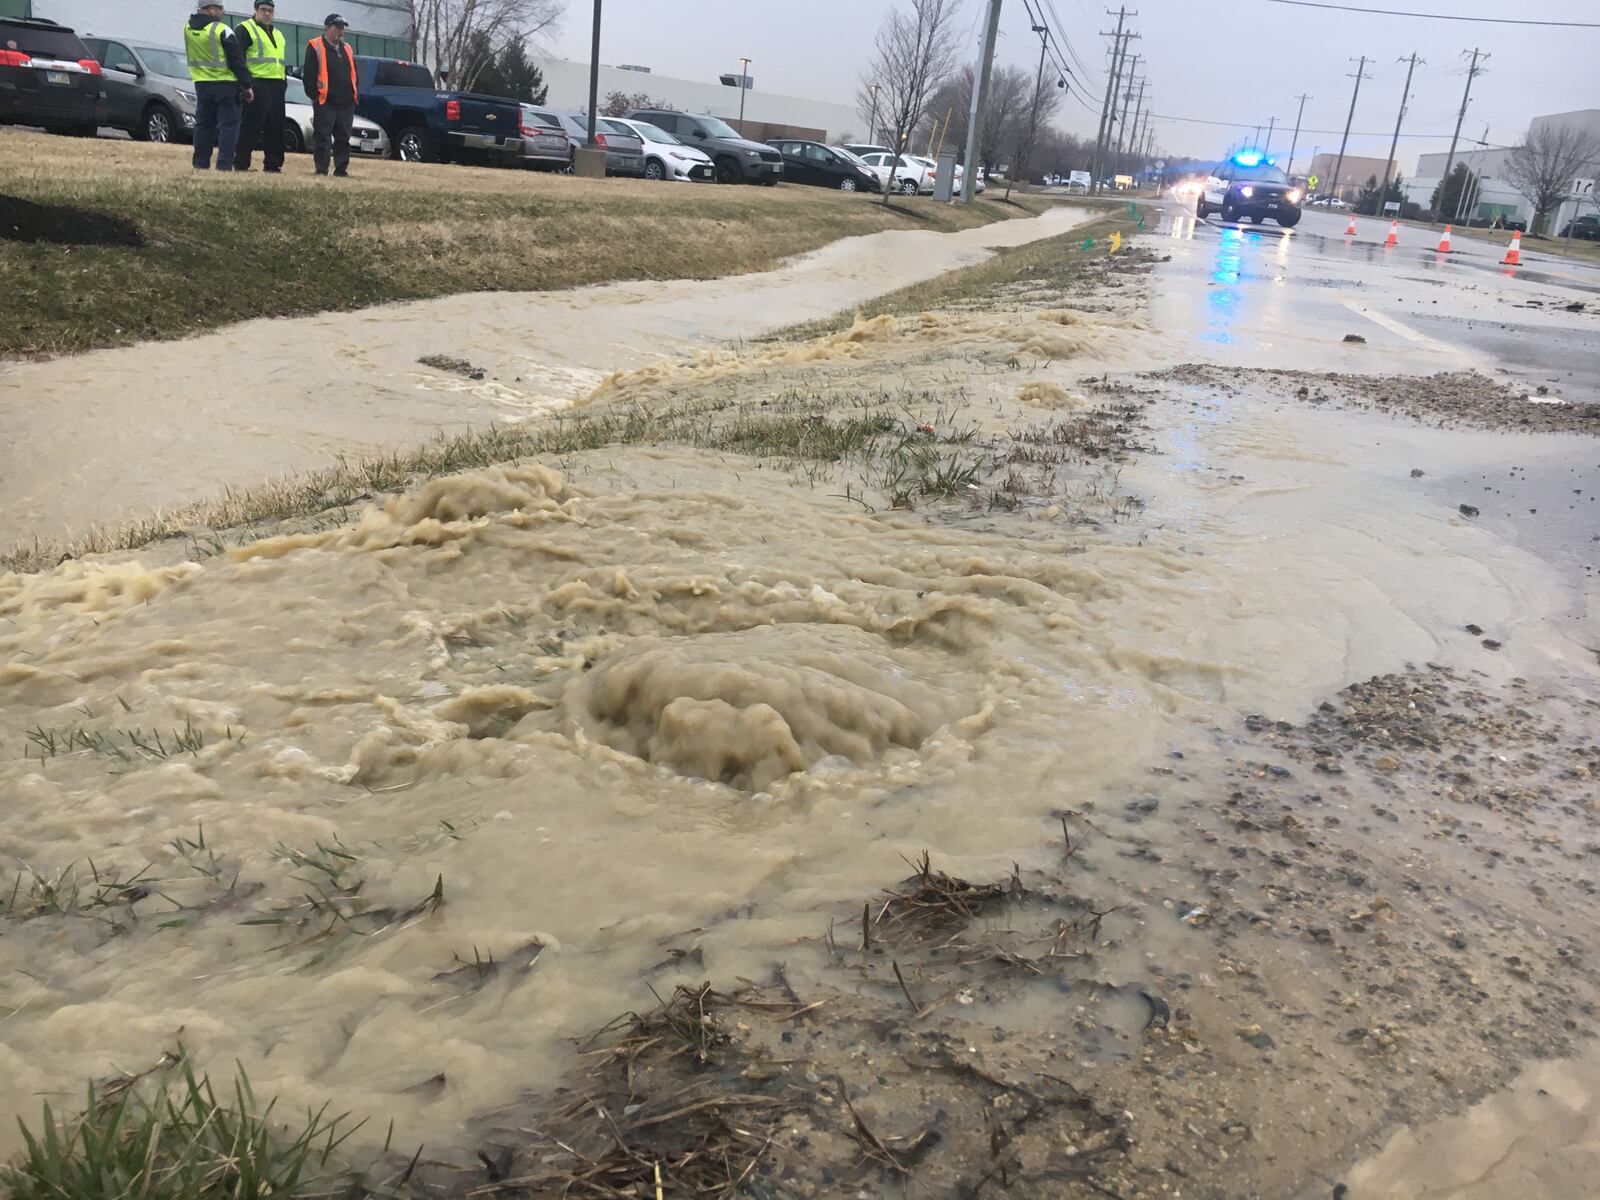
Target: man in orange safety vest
[330,78]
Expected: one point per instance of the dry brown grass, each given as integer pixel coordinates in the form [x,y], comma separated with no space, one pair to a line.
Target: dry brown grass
[394,231]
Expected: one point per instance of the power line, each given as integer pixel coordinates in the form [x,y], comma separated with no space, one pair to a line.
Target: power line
[1257,125]
[1400,12]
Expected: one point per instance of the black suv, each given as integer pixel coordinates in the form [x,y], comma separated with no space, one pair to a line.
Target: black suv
[1584,229]
[49,78]
[736,157]
[1250,185]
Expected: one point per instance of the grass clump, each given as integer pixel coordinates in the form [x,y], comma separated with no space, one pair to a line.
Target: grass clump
[154,1137]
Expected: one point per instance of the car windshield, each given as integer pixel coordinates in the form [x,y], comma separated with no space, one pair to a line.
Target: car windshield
[654,133]
[718,128]
[403,75]
[847,156]
[545,119]
[164,62]
[611,126]
[41,43]
[1263,173]
[294,92]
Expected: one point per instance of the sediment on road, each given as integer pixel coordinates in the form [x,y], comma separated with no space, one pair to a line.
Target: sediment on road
[106,243]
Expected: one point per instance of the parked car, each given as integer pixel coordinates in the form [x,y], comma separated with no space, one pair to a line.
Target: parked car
[1584,228]
[545,145]
[737,159]
[366,137]
[49,78]
[665,155]
[148,91]
[910,176]
[861,149]
[624,152]
[821,166]
[429,124]
[932,167]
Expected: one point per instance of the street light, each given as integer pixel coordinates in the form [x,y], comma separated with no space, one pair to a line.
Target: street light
[872,133]
[594,75]
[744,86]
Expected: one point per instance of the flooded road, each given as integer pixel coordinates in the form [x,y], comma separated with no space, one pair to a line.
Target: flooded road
[196,417]
[1072,594]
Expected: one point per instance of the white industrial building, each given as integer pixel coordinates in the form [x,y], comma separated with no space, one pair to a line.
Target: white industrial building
[1495,195]
[569,88]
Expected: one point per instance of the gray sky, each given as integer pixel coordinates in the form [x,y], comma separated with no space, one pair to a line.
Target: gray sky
[1241,60]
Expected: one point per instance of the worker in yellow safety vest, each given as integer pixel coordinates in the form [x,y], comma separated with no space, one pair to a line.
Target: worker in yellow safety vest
[264,50]
[221,82]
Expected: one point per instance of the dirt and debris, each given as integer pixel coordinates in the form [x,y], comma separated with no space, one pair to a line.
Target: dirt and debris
[453,366]
[1447,399]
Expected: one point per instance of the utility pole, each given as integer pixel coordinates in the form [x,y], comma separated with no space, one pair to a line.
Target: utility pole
[1133,142]
[744,85]
[980,98]
[872,133]
[1361,73]
[1405,99]
[1266,147]
[594,76]
[1122,124]
[1474,185]
[1118,44]
[1450,158]
[1033,117]
[1295,144]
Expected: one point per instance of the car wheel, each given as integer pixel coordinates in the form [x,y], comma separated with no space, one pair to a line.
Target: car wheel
[1230,211]
[728,171]
[654,170]
[293,140]
[847,185]
[413,143]
[1290,221]
[908,187]
[1200,209]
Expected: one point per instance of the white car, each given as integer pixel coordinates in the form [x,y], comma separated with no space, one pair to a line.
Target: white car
[665,157]
[932,168]
[366,137]
[910,176]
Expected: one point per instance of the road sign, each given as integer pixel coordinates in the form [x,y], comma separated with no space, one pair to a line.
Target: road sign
[1312,181]
[1161,164]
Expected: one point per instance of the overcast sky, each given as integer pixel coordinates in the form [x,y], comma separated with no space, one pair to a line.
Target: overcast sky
[1238,61]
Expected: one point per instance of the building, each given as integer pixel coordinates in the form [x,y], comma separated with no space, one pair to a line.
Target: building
[378,27]
[766,114]
[1494,195]
[1353,174]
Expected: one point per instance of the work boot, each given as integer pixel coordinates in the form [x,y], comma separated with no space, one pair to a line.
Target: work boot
[341,174]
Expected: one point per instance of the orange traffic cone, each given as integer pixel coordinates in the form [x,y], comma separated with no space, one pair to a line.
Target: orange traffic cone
[1394,236]
[1513,256]
[1444,242]
[1350,230]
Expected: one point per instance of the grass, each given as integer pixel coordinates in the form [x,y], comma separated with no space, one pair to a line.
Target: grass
[909,456]
[1050,263]
[394,231]
[159,1138]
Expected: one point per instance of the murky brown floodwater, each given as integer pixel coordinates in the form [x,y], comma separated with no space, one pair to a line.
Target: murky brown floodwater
[666,690]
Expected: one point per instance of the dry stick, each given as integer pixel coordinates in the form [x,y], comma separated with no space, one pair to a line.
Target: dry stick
[910,999]
[866,927]
[865,1136]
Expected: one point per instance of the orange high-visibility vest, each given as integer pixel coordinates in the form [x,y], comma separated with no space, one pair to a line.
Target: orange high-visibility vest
[319,47]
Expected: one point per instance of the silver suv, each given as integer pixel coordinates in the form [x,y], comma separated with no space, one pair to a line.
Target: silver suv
[148,91]
[737,158]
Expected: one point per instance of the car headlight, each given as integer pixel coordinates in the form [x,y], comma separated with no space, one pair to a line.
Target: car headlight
[186,97]
[1295,195]
[1247,191]
[752,154]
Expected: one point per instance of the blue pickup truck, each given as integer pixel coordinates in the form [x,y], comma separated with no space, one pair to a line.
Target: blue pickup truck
[426,124]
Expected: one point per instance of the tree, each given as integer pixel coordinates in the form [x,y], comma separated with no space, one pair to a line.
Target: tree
[512,74]
[1368,203]
[914,54]
[464,37]
[1044,103]
[1545,165]
[1446,198]
[617,104]
[1010,89]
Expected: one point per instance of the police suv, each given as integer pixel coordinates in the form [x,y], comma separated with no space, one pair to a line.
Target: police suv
[1250,185]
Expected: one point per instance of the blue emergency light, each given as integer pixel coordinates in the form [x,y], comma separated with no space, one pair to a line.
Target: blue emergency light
[1247,158]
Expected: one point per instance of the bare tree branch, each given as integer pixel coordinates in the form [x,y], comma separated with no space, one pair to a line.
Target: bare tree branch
[915,53]
[463,37]
[1544,166]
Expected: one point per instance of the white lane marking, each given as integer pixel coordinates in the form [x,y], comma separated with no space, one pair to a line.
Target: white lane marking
[1411,335]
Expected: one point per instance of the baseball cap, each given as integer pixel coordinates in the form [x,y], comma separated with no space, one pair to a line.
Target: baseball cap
[336,19]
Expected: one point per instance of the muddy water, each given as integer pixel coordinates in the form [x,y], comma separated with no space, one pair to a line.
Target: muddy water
[667,699]
[270,397]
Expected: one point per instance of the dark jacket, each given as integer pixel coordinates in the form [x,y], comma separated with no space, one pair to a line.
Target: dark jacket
[232,49]
[340,60]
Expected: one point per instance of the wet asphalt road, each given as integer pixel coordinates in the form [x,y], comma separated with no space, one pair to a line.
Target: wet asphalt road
[1264,296]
